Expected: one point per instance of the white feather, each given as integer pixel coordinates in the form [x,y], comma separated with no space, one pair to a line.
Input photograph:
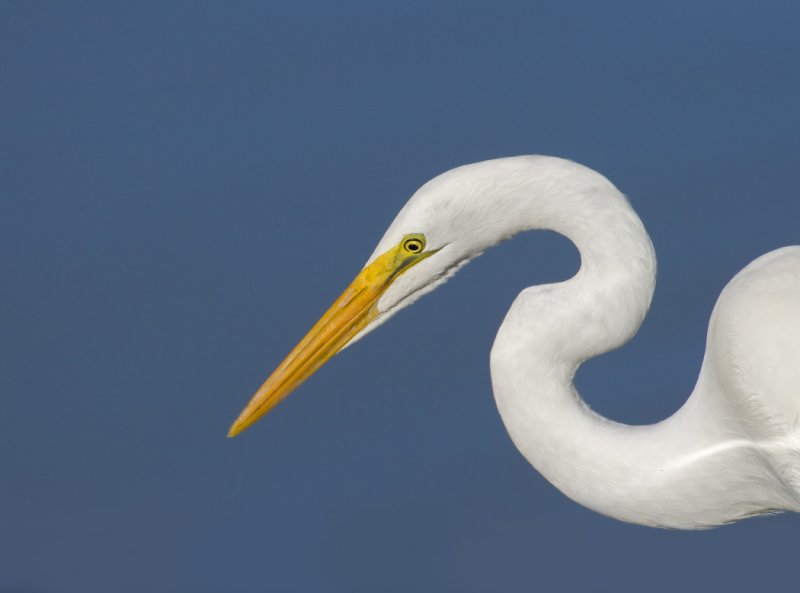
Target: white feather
[733,449]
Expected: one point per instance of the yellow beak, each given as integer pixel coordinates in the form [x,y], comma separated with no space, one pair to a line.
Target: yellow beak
[350,313]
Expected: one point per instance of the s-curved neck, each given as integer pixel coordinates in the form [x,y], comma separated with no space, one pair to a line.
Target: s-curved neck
[641,474]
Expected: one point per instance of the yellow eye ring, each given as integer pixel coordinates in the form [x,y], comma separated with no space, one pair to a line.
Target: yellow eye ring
[414,244]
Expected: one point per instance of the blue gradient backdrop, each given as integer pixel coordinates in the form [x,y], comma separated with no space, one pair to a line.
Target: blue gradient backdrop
[185,187]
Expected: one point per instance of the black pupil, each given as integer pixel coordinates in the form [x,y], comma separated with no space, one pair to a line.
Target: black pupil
[412,246]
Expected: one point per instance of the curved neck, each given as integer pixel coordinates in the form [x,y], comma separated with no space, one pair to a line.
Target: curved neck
[633,473]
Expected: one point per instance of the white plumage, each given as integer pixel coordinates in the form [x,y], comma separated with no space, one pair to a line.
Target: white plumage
[731,451]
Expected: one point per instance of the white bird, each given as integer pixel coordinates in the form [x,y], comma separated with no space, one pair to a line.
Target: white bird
[730,452]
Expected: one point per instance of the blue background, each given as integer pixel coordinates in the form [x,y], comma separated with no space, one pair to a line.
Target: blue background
[186,187]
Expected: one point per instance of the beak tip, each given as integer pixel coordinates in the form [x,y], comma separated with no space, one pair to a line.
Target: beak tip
[235,429]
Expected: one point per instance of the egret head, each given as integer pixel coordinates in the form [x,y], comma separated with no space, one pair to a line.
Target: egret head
[437,231]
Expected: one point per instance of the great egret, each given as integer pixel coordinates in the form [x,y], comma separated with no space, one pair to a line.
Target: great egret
[731,451]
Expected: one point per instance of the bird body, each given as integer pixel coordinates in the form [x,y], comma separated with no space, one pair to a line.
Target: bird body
[731,451]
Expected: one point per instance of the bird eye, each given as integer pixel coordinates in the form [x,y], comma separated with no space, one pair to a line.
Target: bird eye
[414,244]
